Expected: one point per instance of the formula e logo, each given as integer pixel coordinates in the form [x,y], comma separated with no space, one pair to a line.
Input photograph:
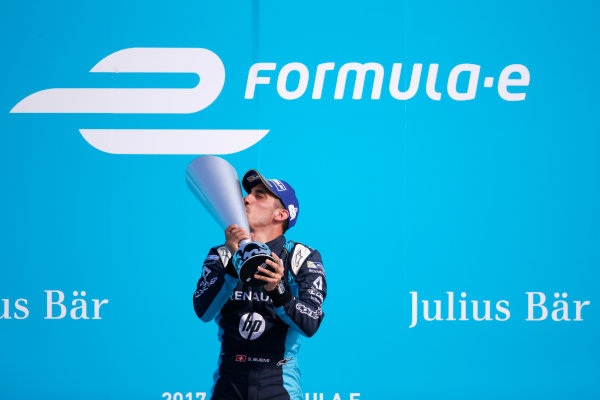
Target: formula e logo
[206,64]
[251,326]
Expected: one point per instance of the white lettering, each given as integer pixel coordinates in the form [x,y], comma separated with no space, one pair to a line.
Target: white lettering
[282,79]
[81,306]
[438,310]
[463,308]
[451,306]
[21,305]
[563,308]
[254,79]
[578,306]
[320,78]
[503,310]
[505,81]
[50,304]
[473,71]
[5,309]
[412,87]
[431,78]
[414,307]
[361,71]
[97,305]
[486,315]
[531,305]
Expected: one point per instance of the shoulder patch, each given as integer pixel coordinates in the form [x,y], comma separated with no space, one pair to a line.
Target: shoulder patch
[300,254]
[225,254]
[315,265]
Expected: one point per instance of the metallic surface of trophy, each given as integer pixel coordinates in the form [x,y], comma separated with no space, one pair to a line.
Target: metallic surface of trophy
[216,184]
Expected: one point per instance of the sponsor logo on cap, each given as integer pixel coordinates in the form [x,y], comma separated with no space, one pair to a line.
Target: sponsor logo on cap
[293,211]
[280,186]
[252,178]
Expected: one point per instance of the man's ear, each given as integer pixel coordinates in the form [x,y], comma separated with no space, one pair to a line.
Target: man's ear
[281,214]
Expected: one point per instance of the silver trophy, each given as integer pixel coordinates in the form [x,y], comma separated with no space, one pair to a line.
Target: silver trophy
[216,184]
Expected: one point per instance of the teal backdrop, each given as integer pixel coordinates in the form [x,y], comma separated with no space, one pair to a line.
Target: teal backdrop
[489,197]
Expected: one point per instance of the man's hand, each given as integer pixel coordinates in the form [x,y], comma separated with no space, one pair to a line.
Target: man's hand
[272,278]
[233,235]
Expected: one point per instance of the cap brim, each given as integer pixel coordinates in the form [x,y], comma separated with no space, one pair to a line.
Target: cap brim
[249,185]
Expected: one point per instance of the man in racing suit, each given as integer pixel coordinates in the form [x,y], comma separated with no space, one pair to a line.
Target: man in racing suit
[260,327]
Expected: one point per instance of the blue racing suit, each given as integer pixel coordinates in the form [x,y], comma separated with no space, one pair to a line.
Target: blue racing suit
[260,331]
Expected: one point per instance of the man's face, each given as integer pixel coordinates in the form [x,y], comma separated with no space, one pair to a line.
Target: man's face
[261,206]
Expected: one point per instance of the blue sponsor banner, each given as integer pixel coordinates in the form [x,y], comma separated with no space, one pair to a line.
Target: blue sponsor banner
[445,157]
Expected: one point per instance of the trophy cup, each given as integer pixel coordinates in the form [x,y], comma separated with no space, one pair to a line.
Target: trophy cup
[215,183]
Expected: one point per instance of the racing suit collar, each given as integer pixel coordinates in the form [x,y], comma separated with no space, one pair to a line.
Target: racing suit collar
[276,244]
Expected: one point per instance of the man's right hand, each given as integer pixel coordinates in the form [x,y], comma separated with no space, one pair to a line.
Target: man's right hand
[233,235]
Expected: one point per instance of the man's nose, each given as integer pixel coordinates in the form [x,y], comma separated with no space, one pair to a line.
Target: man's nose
[246,200]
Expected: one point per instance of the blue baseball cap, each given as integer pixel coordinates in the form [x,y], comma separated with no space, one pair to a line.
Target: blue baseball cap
[280,189]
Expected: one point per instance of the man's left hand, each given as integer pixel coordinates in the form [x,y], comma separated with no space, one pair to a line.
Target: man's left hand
[271,278]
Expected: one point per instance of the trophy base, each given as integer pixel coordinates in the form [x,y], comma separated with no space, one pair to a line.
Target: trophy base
[248,258]
[250,267]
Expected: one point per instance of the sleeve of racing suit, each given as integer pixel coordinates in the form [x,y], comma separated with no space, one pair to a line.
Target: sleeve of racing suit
[215,286]
[303,312]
